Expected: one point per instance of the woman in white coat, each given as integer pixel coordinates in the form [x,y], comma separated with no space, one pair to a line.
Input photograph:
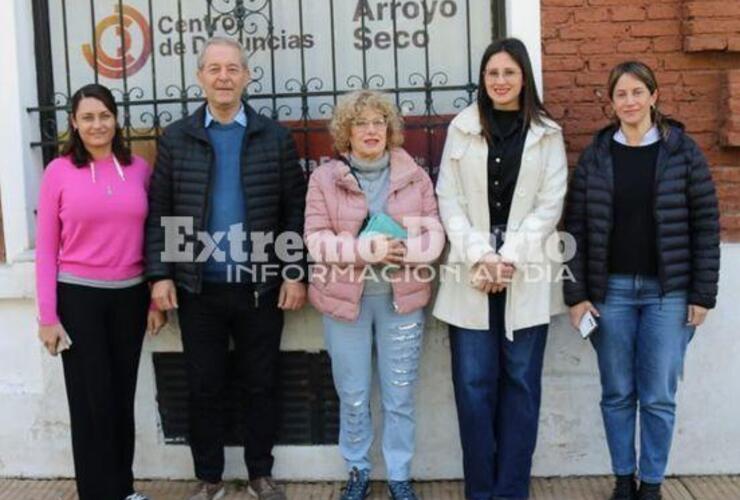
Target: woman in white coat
[501,187]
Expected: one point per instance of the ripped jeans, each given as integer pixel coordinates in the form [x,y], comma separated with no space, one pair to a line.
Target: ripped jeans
[398,346]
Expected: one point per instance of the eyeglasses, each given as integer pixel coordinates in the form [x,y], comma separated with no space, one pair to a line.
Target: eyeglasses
[366,124]
[508,74]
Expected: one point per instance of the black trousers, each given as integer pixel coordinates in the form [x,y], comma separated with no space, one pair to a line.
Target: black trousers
[207,321]
[107,329]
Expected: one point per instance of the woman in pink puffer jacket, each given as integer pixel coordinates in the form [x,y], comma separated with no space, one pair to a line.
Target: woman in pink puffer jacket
[371,289]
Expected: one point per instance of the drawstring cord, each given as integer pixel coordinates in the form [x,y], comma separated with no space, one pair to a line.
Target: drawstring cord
[118,169]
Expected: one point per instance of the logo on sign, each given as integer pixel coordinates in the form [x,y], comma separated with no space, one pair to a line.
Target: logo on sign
[134,38]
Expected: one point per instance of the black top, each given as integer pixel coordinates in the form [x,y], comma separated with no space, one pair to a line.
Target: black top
[504,157]
[633,247]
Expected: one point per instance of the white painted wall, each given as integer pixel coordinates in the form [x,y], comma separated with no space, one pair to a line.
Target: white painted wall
[34,422]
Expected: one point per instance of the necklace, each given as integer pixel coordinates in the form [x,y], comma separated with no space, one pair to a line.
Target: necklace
[108,187]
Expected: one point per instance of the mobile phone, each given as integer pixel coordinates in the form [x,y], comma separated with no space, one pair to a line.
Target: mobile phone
[588,324]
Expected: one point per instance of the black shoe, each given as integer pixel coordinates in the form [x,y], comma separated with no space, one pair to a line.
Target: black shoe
[649,491]
[625,488]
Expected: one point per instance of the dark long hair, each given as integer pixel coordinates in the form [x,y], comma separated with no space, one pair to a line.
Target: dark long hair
[645,74]
[74,147]
[529,102]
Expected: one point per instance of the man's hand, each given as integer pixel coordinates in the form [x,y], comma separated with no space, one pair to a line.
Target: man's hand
[292,295]
[164,295]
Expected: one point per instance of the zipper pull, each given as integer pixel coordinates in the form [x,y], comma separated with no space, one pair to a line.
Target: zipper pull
[256,299]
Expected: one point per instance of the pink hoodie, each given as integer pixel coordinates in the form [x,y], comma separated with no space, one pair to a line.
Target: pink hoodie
[335,210]
[90,224]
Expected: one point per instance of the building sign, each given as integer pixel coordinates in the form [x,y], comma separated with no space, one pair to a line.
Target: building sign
[302,52]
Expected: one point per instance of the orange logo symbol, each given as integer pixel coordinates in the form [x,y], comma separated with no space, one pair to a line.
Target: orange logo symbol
[112,66]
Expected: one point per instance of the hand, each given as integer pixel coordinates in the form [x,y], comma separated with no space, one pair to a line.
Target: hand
[292,295]
[155,321]
[396,253]
[501,271]
[578,310]
[51,336]
[696,315]
[164,295]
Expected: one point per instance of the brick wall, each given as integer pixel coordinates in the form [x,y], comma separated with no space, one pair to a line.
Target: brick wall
[699,81]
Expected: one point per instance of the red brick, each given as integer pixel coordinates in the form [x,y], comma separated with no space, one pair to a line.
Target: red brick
[628,13]
[706,26]
[667,78]
[730,139]
[557,111]
[592,14]
[550,16]
[605,64]
[565,3]
[561,48]
[711,79]
[711,9]
[634,46]
[663,11]
[699,43]
[727,174]
[656,28]
[606,2]
[589,78]
[571,95]
[593,30]
[696,110]
[697,61]
[563,63]
[549,32]
[558,80]
[667,43]
[730,221]
[598,47]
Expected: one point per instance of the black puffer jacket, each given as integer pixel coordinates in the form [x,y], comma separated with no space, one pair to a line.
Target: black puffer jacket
[272,179]
[686,218]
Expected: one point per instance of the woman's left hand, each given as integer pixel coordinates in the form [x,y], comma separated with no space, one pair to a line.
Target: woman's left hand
[696,315]
[155,320]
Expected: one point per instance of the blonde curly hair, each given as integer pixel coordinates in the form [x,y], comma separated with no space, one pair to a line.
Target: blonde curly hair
[351,106]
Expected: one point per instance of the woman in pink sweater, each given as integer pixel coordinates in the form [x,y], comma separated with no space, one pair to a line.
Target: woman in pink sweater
[92,298]
[372,287]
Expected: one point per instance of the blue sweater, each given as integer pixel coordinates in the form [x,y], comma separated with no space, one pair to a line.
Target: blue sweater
[227,204]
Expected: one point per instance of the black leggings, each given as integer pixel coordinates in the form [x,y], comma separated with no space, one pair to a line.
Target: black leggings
[107,329]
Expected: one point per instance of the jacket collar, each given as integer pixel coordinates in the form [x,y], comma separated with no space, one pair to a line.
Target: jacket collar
[403,172]
[468,122]
[195,123]
[671,139]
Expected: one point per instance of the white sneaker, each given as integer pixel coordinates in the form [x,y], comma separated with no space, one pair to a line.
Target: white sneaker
[209,491]
[136,496]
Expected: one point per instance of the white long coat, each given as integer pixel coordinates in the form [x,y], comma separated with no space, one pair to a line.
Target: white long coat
[535,293]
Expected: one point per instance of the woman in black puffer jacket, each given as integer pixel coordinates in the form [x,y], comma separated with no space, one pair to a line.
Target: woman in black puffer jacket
[643,211]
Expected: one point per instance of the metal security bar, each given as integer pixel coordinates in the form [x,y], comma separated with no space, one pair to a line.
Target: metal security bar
[299,97]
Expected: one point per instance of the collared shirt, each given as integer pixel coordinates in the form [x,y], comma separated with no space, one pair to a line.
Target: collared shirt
[651,137]
[240,117]
[504,158]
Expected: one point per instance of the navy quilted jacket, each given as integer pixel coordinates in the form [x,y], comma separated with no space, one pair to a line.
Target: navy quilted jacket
[686,217]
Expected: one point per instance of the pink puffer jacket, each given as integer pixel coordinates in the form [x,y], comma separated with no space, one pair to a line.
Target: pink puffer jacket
[335,210]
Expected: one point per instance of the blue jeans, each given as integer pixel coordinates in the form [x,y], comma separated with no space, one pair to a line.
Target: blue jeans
[398,343]
[640,345]
[497,391]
